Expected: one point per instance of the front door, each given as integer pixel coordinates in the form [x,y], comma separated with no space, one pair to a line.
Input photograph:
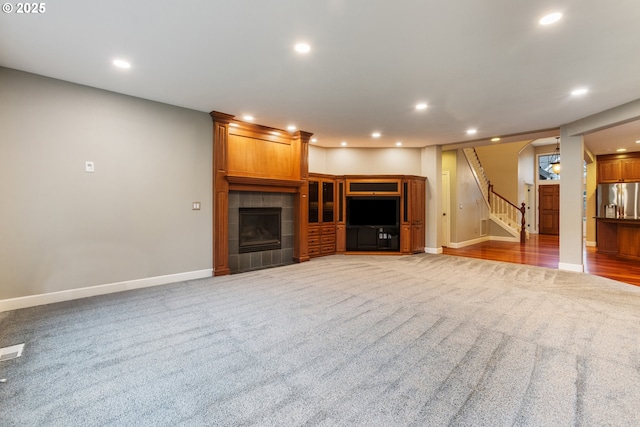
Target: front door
[549,209]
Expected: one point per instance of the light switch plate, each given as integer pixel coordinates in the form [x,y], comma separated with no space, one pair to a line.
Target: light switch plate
[195,206]
[89,167]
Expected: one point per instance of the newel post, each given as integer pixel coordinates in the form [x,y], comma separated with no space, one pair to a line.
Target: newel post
[523,232]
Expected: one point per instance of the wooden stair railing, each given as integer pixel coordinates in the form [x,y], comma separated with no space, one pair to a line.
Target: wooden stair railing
[503,208]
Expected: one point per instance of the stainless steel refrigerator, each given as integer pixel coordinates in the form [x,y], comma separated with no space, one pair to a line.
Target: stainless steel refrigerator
[619,200]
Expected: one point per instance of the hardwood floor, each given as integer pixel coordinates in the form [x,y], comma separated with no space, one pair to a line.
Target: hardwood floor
[543,251]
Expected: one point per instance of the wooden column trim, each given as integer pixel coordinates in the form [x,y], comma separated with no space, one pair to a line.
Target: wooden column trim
[301,200]
[220,193]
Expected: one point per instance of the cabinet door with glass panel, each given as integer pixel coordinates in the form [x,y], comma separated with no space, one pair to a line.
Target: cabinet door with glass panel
[322,213]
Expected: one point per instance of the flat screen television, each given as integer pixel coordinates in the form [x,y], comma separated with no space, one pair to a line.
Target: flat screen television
[373,211]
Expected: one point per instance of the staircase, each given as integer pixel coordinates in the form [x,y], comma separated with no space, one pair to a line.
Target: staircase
[504,213]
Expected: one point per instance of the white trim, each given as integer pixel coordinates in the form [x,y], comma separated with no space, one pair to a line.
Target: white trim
[71,294]
[591,244]
[433,250]
[459,245]
[578,268]
[504,238]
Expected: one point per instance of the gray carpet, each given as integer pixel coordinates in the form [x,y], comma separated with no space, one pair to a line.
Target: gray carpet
[422,340]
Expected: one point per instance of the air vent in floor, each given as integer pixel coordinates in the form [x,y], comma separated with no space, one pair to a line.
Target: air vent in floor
[8,353]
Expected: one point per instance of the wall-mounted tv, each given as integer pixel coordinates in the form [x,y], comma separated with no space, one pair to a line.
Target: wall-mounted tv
[373,211]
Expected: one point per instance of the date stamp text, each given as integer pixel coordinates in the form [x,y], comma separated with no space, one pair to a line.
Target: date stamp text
[24,8]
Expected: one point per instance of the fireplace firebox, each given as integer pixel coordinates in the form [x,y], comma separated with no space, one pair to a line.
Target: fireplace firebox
[259,229]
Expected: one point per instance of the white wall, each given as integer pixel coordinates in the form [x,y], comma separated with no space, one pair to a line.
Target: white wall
[365,161]
[63,228]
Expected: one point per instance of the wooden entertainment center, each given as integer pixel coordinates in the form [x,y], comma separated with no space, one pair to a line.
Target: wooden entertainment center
[332,228]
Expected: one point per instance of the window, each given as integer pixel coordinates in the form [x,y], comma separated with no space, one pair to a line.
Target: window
[544,168]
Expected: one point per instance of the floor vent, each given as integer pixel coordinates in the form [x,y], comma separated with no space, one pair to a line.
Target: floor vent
[12,352]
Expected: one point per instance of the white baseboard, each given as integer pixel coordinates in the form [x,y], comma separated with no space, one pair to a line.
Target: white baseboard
[459,245]
[504,238]
[433,250]
[71,294]
[591,244]
[579,268]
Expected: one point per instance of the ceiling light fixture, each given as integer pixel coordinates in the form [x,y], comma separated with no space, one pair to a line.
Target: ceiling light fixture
[496,139]
[472,131]
[621,150]
[421,106]
[343,143]
[248,117]
[376,134]
[302,48]
[291,128]
[555,158]
[121,63]
[638,141]
[550,18]
[398,144]
[314,140]
[579,91]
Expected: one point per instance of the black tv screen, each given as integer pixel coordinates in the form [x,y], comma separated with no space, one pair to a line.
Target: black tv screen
[373,211]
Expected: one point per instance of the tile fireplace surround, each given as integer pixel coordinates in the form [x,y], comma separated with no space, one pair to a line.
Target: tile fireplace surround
[257,260]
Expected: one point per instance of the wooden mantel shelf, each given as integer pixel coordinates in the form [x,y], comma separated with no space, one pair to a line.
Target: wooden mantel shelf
[249,180]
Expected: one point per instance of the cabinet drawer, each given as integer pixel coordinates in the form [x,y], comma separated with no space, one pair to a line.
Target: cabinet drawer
[329,229]
[313,231]
[314,250]
[328,238]
[313,240]
[328,249]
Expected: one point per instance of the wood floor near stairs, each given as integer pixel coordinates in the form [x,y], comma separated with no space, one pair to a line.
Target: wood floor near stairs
[543,251]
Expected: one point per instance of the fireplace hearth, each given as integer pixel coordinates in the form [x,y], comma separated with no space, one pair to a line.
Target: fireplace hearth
[259,229]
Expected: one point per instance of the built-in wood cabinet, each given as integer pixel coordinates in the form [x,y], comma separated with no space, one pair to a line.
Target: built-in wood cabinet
[322,215]
[412,229]
[618,168]
[328,226]
[620,237]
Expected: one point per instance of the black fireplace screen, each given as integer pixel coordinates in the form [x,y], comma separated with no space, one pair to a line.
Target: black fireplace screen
[259,229]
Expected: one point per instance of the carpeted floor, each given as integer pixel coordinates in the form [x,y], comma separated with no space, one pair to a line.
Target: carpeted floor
[424,340]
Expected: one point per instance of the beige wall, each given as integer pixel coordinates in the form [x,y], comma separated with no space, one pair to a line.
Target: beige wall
[468,207]
[365,161]
[63,228]
[500,163]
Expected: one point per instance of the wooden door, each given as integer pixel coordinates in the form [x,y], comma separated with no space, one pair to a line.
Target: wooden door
[549,209]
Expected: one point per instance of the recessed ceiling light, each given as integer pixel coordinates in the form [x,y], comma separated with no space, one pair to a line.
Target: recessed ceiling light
[302,48]
[248,117]
[399,143]
[620,150]
[421,106]
[550,18]
[121,63]
[314,139]
[579,91]
[638,141]
[291,128]
[376,134]
[343,143]
[472,131]
[496,139]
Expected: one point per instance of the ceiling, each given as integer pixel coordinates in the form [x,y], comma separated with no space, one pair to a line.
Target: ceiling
[484,65]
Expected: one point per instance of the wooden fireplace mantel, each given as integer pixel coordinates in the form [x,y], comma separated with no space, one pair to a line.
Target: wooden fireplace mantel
[251,157]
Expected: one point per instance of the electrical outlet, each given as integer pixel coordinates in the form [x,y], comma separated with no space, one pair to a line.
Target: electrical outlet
[195,206]
[89,167]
